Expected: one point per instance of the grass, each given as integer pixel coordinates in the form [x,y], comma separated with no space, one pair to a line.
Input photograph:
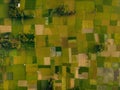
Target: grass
[107,2]
[39,4]
[103,29]
[13,53]
[82,48]
[88,6]
[90,47]
[29,59]
[27,28]
[31,76]
[70,20]
[100,61]
[30,4]
[12,85]
[1,1]
[19,57]
[1,21]
[101,37]
[90,37]
[42,84]
[3,10]
[22,88]
[16,26]
[19,72]
[34,21]
[22,4]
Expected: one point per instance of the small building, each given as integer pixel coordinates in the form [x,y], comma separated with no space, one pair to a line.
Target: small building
[18,5]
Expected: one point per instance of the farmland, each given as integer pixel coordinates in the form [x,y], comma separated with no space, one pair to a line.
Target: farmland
[60,44]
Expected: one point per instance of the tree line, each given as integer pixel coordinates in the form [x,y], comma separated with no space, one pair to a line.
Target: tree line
[61,10]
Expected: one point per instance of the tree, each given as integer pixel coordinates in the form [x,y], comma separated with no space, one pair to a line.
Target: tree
[26,39]
[60,10]
[6,36]
[50,84]
[15,12]
[6,44]
[12,9]
[98,48]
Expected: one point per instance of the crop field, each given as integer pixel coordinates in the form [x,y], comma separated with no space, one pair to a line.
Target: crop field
[60,45]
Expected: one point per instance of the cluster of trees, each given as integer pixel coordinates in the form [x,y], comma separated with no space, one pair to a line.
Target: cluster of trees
[26,39]
[95,48]
[98,48]
[63,11]
[13,9]
[9,41]
[50,84]
[15,12]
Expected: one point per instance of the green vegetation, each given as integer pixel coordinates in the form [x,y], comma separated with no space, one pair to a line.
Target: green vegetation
[6,44]
[26,39]
[83,69]
[2,58]
[5,41]
[30,4]
[98,48]
[9,41]
[61,10]
[50,84]
[19,75]
[15,12]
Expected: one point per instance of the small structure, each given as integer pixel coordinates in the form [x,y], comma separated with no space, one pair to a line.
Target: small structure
[18,5]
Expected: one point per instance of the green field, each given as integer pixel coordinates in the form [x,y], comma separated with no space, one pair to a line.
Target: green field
[30,4]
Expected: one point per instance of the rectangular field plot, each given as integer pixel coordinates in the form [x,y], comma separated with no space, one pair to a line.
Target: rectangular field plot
[30,4]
